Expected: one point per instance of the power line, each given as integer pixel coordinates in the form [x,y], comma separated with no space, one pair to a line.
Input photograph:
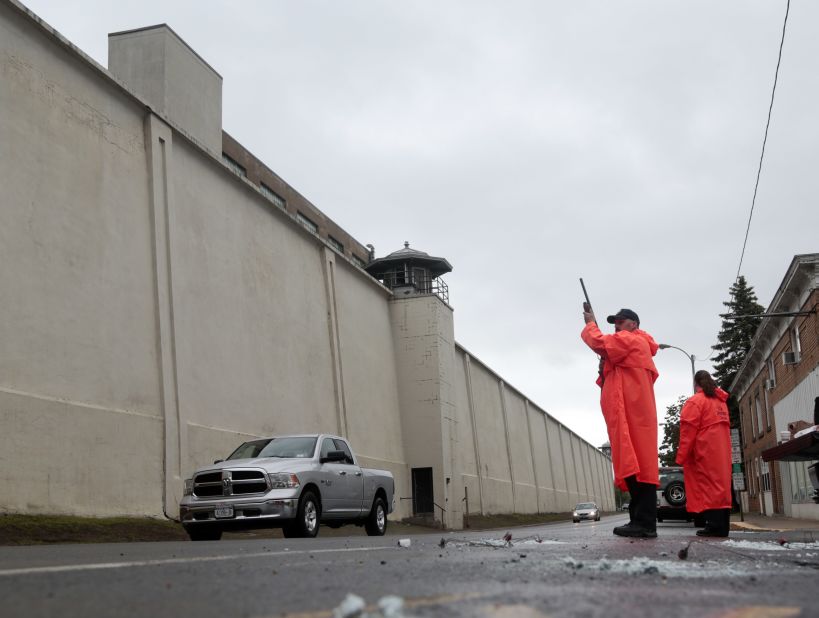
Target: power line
[765,140]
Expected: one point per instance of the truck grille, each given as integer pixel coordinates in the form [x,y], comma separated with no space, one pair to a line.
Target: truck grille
[229,483]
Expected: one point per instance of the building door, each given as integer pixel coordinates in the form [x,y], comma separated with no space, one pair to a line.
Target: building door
[422,498]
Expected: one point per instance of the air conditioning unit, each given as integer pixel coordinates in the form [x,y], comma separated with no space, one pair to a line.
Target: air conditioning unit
[770,384]
[790,358]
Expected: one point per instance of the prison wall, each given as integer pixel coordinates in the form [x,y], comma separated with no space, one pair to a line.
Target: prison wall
[157,310]
[515,457]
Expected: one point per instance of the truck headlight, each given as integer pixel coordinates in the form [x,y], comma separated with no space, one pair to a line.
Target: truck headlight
[188,487]
[283,480]
[574,514]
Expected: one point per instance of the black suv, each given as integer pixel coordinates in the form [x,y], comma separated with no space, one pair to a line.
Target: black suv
[671,497]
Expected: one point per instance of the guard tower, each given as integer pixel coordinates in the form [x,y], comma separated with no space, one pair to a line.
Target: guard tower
[424,338]
[409,272]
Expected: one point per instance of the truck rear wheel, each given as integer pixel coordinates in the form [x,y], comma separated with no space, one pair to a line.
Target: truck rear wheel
[376,524]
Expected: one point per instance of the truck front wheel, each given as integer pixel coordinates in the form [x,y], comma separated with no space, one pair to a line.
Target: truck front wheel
[376,524]
[306,523]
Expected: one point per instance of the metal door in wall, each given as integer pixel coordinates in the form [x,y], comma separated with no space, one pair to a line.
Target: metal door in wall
[422,498]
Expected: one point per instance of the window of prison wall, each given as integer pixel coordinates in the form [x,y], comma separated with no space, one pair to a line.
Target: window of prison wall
[272,196]
[250,309]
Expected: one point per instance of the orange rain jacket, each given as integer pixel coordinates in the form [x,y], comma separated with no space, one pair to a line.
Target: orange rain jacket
[627,401]
[705,452]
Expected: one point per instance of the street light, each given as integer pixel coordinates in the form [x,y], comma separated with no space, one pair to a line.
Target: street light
[664,346]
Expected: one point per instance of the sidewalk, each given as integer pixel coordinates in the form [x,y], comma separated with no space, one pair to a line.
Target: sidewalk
[778,523]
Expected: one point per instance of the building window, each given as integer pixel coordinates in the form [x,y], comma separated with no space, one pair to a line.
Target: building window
[751,476]
[754,427]
[358,261]
[272,195]
[768,414]
[759,425]
[796,343]
[335,244]
[795,355]
[801,486]
[234,166]
[771,374]
[307,223]
[764,475]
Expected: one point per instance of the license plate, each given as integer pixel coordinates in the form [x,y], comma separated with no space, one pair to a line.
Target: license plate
[222,512]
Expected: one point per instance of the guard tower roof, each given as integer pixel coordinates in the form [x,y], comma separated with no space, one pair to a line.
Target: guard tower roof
[437,266]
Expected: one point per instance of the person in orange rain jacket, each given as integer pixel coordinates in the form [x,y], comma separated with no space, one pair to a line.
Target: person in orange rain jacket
[704,453]
[627,399]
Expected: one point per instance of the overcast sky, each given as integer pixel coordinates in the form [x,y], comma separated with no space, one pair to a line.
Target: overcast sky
[530,143]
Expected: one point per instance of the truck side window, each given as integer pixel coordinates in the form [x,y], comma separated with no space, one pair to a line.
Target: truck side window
[341,445]
[327,446]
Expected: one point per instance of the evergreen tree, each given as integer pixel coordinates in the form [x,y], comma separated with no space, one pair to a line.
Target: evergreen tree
[671,433]
[734,339]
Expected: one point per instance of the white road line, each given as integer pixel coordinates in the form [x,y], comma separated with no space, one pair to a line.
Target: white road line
[144,563]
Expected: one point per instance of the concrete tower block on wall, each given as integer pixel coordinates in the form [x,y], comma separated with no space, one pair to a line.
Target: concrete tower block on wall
[423,334]
[160,67]
[424,339]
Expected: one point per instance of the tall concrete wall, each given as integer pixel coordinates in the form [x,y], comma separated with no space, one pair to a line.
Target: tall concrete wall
[79,386]
[520,460]
[157,310]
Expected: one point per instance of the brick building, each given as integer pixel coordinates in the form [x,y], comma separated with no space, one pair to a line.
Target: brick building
[776,386]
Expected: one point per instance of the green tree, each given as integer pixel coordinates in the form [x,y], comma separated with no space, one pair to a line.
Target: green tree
[671,433]
[734,338]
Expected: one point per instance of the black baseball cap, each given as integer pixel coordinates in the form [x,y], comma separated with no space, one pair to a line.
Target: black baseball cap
[623,314]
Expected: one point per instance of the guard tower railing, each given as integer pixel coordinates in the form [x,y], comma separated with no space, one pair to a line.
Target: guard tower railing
[423,283]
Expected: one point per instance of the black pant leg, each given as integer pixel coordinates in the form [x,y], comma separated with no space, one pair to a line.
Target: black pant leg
[725,520]
[718,520]
[644,500]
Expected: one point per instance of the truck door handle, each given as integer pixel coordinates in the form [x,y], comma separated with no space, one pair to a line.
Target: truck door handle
[342,473]
[358,473]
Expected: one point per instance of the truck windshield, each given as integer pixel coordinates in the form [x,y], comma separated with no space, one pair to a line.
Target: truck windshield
[276,447]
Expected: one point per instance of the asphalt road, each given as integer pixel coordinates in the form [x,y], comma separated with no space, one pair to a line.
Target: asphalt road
[560,569]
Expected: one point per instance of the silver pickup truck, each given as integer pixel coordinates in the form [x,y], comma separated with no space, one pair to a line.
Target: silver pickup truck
[288,482]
